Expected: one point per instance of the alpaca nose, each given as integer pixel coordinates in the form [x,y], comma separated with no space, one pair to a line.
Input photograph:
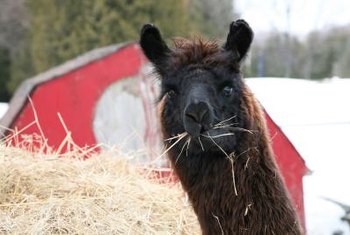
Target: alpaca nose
[197,118]
[197,112]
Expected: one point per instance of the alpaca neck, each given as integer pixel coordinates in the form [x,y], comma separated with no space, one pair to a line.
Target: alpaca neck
[243,196]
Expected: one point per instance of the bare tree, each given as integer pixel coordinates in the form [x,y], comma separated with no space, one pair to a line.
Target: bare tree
[212,17]
[13,23]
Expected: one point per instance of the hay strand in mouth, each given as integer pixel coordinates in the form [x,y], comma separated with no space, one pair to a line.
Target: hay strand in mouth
[223,126]
[188,145]
[230,158]
[182,149]
[200,142]
[242,129]
[231,126]
[178,138]
[217,219]
[223,122]
[218,136]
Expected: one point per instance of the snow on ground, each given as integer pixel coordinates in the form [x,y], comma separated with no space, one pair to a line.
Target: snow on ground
[316,118]
[3,109]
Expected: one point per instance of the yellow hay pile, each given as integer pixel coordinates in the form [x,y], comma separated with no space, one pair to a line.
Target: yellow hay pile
[46,194]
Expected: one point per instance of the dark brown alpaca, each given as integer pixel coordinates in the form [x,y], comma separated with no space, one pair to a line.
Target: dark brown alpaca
[220,147]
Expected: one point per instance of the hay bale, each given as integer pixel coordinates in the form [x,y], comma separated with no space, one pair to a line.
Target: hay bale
[41,194]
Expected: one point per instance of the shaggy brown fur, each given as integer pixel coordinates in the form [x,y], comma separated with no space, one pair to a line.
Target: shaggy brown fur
[261,206]
[197,52]
[234,184]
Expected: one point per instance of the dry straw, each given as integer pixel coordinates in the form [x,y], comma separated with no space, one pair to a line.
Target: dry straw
[44,192]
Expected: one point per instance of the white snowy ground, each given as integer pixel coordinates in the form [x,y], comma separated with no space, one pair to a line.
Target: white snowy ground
[3,109]
[316,118]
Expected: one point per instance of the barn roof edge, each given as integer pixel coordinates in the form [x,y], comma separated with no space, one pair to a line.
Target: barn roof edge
[24,90]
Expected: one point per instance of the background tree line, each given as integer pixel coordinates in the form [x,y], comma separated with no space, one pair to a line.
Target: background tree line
[36,35]
[322,54]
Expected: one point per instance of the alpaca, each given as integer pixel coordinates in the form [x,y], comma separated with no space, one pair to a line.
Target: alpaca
[218,141]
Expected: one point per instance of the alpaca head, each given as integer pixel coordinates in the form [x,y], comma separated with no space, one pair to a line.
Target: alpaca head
[201,86]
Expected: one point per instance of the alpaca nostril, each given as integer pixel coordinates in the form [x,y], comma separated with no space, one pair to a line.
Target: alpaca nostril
[197,118]
[197,112]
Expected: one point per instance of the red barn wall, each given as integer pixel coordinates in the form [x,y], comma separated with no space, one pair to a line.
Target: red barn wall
[291,165]
[74,96]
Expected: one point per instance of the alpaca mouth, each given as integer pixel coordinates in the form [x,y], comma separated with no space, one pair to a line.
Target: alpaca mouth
[220,137]
[201,137]
[217,138]
[212,140]
[196,130]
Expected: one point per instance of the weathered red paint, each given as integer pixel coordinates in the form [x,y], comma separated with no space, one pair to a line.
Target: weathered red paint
[291,165]
[75,94]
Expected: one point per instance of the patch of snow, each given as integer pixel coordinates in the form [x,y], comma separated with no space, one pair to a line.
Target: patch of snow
[316,118]
[3,109]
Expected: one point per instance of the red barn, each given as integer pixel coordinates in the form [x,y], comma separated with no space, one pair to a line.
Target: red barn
[107,96]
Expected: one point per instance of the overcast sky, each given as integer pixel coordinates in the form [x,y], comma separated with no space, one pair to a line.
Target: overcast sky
[304,16]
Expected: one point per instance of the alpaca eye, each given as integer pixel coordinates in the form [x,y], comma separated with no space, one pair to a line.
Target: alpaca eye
[170,93]
[228,91]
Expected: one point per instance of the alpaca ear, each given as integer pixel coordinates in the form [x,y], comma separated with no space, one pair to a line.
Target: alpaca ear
[239,39]
[153,45]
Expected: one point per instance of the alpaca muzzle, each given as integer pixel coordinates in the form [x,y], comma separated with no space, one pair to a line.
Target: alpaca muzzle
[198,118]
